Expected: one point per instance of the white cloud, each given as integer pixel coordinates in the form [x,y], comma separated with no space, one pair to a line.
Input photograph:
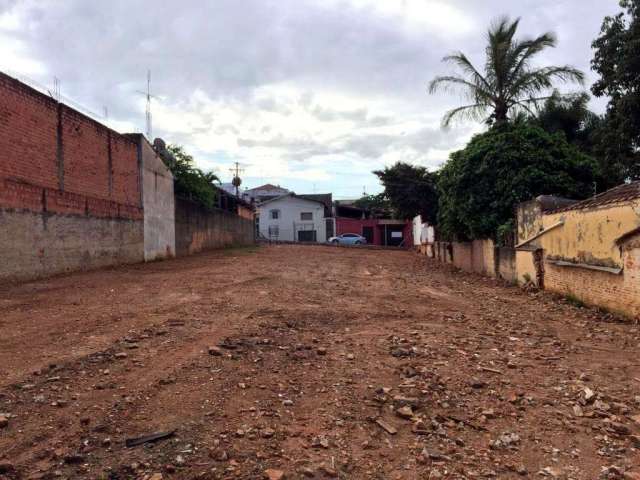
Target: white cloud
[302,92]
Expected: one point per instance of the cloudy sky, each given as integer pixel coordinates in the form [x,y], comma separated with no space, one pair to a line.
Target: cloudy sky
[309,94]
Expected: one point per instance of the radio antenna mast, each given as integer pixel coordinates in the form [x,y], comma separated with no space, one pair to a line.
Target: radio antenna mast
[148,95]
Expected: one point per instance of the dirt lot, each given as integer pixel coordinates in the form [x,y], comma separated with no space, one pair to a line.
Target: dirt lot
[327,363]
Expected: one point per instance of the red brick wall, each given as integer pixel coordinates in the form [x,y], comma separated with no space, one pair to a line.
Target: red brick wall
[126,188]
[86,155]
[99,175]
[28,138]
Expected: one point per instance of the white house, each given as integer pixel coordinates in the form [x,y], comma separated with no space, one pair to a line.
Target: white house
[293,218]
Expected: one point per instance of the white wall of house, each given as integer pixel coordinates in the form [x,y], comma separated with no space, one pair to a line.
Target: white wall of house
[293,215]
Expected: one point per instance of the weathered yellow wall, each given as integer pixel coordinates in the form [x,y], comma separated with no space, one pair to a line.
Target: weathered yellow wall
[529,220]
[588,236]
[525,266]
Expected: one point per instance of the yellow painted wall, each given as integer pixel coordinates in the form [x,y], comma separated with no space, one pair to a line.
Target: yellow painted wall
[588,236]
[525,266]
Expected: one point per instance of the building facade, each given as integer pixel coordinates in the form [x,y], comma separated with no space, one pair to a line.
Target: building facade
[291,218]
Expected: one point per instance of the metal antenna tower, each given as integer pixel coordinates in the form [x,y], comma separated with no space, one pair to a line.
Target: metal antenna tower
[148,109]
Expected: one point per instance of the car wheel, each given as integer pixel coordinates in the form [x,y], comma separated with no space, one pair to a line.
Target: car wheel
[358,242]
[335,242]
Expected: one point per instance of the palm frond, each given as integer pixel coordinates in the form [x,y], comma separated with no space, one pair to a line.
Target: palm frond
[463,62]
[523,51]
[451,83]
[477,112]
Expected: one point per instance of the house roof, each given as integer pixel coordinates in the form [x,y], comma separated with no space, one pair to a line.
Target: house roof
[293,195]
[325,198]
[551,202]
[622,193]
[268,187]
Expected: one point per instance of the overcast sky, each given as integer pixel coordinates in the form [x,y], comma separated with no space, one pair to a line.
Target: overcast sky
[309,94]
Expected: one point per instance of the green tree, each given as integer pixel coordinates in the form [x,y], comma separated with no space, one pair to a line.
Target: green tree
[481,185]
[509,83]
[376,204]
[411,190]
[617,61]
[191,182]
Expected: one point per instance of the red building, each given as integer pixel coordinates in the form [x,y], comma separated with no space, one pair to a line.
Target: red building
[377,231]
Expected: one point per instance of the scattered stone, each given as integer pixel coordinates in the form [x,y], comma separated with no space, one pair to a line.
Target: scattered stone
[215,351]
[156,476]
[619,428]
[400,352]
[321,351]
[477,384]
[550,472]
[272,474]
[405,412]
[121,355]
[268,433]
[390,429]
[400,401]
[328,471]
[351,356]
[506,440]
[320,442]
[577,411]
[73,458]
[288,403]
[4,421]
[589,395]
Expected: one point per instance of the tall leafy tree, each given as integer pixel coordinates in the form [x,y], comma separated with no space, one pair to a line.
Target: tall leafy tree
[617,61]
[509,81]
[481,185]
[189,181]
[410,190]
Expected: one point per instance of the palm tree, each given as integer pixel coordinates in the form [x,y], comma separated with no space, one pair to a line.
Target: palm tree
[509,83]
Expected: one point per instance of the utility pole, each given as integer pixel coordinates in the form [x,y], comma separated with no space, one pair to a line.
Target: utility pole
[237,181]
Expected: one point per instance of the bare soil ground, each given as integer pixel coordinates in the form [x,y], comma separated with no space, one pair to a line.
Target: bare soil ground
[328,363]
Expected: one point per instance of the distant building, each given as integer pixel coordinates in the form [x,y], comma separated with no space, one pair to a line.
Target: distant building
[264,193]
[295,218]
[372,225]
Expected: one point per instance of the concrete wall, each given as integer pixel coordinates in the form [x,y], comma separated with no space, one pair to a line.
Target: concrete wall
[197,229]
[505,264]
[159,204]
[70,195]
[479,256]
[290,209]
[40,244]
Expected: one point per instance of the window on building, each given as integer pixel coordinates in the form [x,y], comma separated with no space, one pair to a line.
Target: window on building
[274,214]
[274,231]
[306,216]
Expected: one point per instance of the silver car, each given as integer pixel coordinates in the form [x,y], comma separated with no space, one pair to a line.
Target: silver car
[348,239]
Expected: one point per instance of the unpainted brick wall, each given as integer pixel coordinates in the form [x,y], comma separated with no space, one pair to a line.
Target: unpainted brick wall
[618,293]
[71,157]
